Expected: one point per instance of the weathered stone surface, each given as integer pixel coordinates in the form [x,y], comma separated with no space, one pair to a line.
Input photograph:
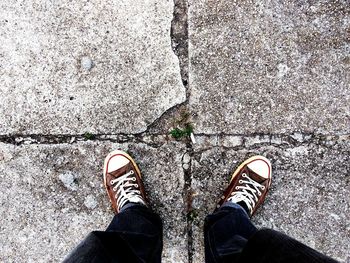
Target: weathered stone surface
[267,77]
[269,66]
[67,67]
[309,198]
[53,195]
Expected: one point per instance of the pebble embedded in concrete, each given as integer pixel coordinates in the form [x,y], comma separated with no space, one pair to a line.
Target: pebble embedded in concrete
[86,63]
[68,180]
[186,158]
[90,202]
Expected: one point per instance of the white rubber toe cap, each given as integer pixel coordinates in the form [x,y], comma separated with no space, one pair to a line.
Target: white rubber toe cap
[261,167]
[116,162]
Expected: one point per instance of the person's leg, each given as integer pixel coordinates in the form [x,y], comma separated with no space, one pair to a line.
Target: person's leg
[135,223]
[135,233]
[269,246]
[226,232]
[139,228]
[135,217]
[231,237]
[228,229]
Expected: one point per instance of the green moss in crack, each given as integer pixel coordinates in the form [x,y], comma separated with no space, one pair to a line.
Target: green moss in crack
[178,133]
[89,136]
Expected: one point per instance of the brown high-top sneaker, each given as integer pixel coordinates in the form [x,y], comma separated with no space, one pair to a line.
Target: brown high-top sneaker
[122,179]
[249,184]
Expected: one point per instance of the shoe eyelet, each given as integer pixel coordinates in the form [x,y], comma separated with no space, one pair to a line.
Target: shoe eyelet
[240,181]
[131,171]
[244,175]
[263,188]
[237,188]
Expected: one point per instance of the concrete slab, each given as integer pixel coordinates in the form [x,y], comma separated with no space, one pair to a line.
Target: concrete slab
[269,66]
[309,199]
[52,196]
[73,67]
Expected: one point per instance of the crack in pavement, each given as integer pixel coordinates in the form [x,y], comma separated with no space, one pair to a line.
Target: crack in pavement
[17,139]
[211,140]
[188,196]
[179,42]
[250,141]
[179,45]
[179,37]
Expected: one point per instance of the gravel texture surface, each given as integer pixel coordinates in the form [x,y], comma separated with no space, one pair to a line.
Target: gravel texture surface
[81,78]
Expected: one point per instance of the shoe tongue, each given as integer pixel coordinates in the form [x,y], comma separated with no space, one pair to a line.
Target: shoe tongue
[136,199]
[257,178]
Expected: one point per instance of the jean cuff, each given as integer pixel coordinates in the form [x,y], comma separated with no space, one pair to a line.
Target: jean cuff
[130,204]
[234,205]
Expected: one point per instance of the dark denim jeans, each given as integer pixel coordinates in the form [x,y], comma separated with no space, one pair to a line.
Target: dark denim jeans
[226,232]
[135,235]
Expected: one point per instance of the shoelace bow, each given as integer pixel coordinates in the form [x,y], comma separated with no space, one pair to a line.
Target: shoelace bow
[248,192]
[126,189]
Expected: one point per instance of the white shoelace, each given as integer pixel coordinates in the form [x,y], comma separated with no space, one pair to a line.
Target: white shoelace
[125,189]
[248,193]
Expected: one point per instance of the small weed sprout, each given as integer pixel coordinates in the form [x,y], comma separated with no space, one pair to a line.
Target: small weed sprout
[178,133]
[89,136]
[183,126]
